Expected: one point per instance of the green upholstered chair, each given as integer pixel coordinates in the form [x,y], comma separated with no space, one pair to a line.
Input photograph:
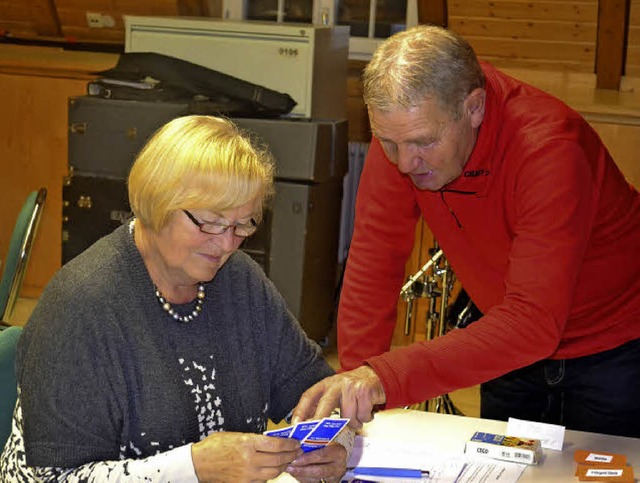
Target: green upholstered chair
[15,263]
[8,386]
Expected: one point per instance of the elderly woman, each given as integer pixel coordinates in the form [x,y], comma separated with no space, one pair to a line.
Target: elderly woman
[160,353]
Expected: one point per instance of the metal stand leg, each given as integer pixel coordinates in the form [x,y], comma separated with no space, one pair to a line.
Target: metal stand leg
[444,405]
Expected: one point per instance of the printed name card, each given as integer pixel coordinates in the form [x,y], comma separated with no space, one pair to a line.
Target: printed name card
[618,474]
[582,456]
[551,436]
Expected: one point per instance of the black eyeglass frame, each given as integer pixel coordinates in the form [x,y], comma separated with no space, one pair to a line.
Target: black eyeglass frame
[201,226]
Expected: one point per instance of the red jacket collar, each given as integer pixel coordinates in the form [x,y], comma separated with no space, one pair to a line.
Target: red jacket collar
[478,172]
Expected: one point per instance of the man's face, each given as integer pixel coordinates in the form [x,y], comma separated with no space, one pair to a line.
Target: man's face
[425,143]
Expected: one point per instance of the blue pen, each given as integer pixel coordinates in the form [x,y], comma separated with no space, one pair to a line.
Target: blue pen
[389,472]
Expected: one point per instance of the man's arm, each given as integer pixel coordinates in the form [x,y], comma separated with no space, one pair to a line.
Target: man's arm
[386,216]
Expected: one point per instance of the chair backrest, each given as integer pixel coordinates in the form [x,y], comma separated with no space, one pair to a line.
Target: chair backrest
[15,266]
[8,386]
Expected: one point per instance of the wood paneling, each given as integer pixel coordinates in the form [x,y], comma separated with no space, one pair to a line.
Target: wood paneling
[632,68]
[536,34]
[45,17]
[15,17]
[533,49]
[632,61]
[73,16]
[623,142]
[567,10]
[35,83]
[526,29]
[34,154]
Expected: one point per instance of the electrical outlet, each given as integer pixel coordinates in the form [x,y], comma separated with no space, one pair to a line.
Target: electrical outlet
[94,20]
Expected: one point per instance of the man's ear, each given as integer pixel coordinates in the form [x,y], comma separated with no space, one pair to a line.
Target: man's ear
[474,105]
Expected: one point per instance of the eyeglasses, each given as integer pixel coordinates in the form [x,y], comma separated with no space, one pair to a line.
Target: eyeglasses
[242,230]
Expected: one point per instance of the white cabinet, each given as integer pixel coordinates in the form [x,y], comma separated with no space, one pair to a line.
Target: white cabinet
[308,62]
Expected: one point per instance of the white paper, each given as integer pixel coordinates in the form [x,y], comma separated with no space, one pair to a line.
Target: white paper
[484,470]
[394,454]
[551,436]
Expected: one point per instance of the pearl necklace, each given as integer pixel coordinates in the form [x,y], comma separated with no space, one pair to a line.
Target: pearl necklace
[176,316]
[166,305]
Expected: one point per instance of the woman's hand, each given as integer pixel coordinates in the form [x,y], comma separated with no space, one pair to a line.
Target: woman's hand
[240,457]
[328,464]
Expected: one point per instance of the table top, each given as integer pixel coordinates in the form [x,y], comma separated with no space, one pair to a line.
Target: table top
[448,433]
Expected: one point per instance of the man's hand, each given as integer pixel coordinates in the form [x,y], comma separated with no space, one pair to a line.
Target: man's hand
[227,456]
[355,392]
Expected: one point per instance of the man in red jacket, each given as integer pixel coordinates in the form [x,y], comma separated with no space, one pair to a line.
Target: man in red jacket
[537,222]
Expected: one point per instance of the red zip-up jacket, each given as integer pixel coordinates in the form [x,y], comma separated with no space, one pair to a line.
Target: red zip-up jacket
[541,229]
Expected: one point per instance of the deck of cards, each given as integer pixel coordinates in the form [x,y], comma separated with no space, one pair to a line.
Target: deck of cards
[312,434]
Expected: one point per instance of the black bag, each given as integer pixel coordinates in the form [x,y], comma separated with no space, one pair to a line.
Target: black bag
[152,76]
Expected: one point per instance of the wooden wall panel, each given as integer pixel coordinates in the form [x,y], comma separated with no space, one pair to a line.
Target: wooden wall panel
[623,142]
[632,61]
[538,34]
[35,84]
[525,29]
[632,66]
[75,27]
[15,17]
[33,149]
[43,13]
[567,10]
[156,7]
[73,16]
[535,51]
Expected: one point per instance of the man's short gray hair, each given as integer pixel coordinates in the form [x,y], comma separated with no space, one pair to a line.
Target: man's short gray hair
[422,62]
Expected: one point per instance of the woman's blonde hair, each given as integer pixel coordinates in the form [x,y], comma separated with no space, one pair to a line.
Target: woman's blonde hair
[422,62]
[198,162]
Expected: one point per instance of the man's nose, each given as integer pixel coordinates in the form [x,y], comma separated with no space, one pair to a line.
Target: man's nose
[407,158]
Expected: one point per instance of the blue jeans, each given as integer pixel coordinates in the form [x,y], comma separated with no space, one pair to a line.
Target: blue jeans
[599,393]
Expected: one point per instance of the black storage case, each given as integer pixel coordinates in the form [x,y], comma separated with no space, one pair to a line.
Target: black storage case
[296,244]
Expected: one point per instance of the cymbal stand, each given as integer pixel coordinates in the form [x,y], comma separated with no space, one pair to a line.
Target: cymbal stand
[436,287]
